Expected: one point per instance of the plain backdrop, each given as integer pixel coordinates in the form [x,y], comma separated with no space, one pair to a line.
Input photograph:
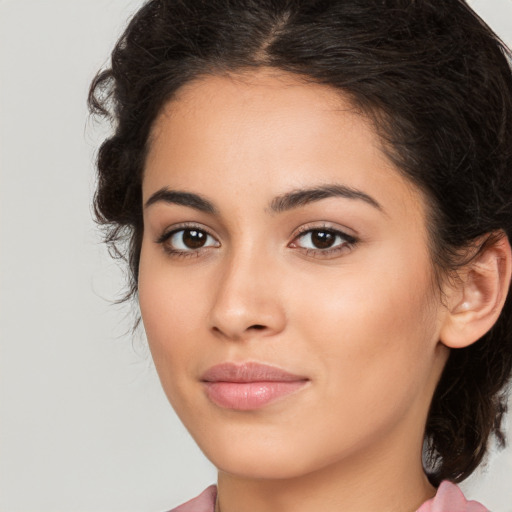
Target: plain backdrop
[84,425]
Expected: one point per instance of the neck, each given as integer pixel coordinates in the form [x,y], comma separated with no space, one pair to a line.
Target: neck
[384,479]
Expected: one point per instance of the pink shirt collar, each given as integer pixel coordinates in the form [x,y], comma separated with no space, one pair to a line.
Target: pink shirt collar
[449,498]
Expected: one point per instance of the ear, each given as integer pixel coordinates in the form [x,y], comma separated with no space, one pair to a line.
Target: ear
[476,299]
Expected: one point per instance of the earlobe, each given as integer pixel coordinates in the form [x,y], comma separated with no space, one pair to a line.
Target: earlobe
[476,299]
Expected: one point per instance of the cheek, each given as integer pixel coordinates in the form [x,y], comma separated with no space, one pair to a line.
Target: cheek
[170,306]
[375,331]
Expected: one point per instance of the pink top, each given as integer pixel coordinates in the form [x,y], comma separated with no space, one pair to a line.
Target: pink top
[449,498]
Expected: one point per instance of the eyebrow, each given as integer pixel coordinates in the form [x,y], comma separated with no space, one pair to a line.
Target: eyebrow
[282,203]
[302,197]
[182,198]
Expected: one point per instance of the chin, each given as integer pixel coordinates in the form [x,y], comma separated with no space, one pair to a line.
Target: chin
[258,466]
[261,457]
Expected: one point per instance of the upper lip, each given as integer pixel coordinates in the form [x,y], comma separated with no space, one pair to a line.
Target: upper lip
[248,372]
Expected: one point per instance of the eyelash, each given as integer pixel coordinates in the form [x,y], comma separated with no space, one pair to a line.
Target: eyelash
[348,241]
[178,253]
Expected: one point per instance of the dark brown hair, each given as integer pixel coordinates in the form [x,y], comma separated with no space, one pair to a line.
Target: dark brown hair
[438,85]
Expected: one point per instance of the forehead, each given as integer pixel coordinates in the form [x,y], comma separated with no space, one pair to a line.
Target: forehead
[253,105]
[259,87]
[271,93]
[268,130]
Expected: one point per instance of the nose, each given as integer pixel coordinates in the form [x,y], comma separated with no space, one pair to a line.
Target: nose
[247,302]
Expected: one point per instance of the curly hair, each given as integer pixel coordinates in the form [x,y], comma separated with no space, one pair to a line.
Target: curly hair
[432,76]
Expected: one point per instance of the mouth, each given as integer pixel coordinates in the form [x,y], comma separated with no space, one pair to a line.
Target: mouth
[249,386]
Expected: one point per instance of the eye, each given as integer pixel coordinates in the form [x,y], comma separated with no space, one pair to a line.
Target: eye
[323,241]
[186,241]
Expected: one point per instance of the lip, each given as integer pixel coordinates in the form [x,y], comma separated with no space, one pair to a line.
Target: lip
[249,386]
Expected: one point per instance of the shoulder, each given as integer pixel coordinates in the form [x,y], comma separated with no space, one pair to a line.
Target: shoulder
[449,498]
[205,502]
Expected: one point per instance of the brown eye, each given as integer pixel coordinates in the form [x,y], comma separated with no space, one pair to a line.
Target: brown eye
[322,239]
[189,240]
[193,239]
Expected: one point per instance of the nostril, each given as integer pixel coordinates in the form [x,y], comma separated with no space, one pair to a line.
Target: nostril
[257,327]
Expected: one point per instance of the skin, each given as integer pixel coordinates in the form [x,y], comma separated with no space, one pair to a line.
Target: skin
[362,322]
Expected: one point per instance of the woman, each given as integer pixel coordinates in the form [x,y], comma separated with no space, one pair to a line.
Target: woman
[317,199]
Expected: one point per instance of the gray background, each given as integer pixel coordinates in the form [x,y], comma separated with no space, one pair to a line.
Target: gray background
[84,425]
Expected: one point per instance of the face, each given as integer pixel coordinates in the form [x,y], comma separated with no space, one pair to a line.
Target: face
[285,279]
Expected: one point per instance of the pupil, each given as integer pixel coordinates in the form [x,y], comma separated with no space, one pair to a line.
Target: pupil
[322,239]
[194,239]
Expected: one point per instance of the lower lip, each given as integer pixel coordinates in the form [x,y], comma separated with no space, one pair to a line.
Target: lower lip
[246,396]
